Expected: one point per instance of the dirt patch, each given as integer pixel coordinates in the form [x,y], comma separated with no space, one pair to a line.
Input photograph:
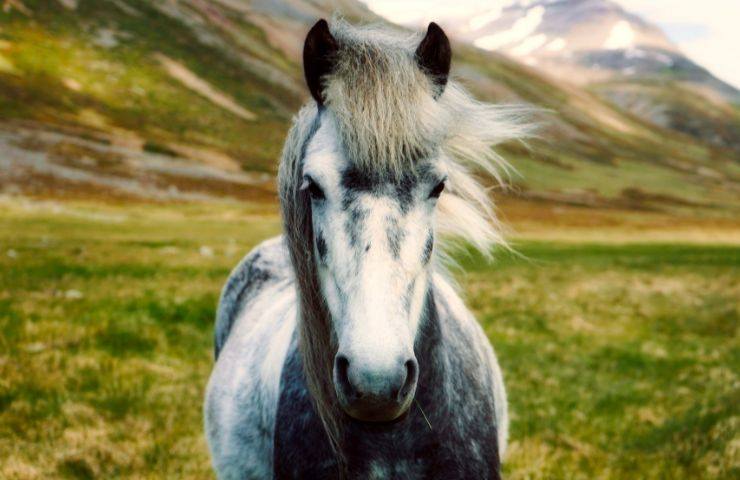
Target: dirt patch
[636,197]
[255,193]
[47,164]
[10,5]
[192,81]
[82,156]
[207,157]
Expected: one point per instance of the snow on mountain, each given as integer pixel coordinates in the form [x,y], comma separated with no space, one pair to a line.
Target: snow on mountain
[522,28]
[541,30]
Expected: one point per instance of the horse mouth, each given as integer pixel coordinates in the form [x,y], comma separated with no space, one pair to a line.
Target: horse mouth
[369,410]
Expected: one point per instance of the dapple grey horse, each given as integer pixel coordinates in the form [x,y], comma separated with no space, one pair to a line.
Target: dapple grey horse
[342,349]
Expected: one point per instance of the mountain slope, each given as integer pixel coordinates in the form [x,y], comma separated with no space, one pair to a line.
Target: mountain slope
[192,98]
[583,40]
[626,59]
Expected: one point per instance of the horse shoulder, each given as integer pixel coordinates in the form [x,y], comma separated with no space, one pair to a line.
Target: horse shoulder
[467,333]
[255,325]
[266,263]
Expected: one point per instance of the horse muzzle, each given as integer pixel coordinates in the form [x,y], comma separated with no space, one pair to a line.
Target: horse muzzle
[375,393]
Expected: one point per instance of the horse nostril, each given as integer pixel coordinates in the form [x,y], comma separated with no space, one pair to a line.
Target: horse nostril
[361,386]
[410,382]
[341,368]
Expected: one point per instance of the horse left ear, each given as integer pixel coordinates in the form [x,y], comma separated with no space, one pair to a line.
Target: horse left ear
[318,56]
[434,55]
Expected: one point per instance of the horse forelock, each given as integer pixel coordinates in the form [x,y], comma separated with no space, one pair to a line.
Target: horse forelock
[382,102]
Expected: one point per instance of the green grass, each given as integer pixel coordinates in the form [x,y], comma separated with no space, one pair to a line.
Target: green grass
[610,180]
[621,360]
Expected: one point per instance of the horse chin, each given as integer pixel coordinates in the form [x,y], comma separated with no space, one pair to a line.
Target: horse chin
[377,414]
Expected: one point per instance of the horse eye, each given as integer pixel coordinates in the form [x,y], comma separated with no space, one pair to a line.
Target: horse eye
[437,190]
[315,191]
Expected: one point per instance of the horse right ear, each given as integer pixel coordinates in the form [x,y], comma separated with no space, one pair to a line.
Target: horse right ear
[318,57]
[434,55]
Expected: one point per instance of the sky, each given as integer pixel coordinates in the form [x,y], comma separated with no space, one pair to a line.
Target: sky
[707,31]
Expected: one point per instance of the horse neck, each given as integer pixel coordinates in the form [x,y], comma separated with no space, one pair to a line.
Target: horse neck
[428,349]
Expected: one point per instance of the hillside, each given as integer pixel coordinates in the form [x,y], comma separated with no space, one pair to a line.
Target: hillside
[191,99]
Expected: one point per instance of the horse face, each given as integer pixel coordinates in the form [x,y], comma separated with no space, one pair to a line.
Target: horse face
[373,241]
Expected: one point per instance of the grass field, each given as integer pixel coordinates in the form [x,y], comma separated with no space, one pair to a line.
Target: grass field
[621,358]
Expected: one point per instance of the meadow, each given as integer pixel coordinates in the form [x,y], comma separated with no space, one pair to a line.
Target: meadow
[619,348]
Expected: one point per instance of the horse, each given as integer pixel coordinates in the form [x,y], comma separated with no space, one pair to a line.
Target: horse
[343,348]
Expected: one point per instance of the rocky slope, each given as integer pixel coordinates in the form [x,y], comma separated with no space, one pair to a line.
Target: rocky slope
[187,99]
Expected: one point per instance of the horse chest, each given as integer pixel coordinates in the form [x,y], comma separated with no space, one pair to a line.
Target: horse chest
[453,448]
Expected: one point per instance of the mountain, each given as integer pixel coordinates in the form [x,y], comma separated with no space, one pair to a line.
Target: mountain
[583,40]
[626,60]
[191,100]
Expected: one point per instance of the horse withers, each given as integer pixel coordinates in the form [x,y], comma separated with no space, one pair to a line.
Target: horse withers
[342,350]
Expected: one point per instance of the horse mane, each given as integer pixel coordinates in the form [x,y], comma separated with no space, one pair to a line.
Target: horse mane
[388,113]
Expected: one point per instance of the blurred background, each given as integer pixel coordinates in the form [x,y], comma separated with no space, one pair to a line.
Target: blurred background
[138,149]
